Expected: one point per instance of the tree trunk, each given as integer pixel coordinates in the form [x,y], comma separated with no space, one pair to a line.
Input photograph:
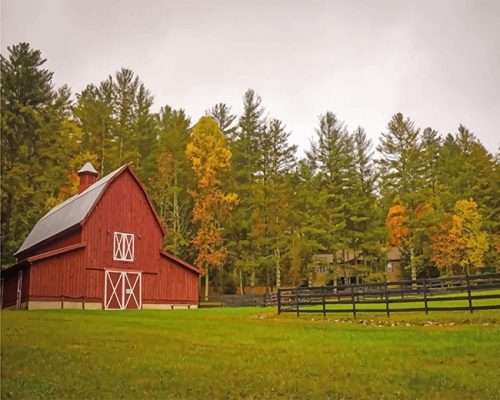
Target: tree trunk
[221,279]
[252,280]
[268,279]
[413,267]
[242,291]
[278,271]
[176,214]
[206,284]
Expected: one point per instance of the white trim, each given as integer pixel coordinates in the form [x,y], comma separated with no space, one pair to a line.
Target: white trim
[123,246]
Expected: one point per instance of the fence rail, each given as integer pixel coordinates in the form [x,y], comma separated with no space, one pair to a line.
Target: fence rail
[422,293]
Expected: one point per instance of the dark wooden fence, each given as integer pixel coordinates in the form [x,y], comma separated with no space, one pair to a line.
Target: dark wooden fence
[423,293]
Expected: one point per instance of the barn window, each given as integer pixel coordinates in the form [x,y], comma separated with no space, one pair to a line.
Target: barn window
[123,247]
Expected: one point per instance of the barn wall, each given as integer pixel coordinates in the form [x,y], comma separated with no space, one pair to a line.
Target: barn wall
[57,276]
[176,284]
[122,208]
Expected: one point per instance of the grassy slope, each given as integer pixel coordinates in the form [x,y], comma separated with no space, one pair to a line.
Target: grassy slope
[244,353]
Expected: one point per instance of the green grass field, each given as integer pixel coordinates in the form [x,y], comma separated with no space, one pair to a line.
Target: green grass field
[248,353]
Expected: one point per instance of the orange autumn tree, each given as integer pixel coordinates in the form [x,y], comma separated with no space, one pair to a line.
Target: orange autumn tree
[408,227]
[445,246]
[397,225]
[209,156]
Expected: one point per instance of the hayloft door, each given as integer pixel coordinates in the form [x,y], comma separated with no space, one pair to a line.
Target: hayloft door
[122,290]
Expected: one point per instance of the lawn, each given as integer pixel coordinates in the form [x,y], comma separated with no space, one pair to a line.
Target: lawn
[248,353]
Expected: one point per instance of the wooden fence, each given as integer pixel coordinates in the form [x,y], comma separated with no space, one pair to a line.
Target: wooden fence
[379,297]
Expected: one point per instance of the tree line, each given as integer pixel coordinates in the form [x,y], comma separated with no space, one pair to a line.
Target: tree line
[235,197]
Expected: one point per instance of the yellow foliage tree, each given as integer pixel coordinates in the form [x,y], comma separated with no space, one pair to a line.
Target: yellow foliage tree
[209,155]
[473,242]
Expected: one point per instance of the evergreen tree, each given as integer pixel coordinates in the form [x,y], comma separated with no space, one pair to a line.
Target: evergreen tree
[245,170]
[332,159]
[403,182]
[222,114]
[35,155]
[173,177]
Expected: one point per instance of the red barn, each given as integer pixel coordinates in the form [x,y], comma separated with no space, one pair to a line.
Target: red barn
[100,249]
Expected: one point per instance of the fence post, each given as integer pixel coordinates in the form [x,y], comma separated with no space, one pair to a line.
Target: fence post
[279,301]
[388,313]
[323,299]
[425,297]
[467,278]
[297,300]
[353,301]
[62,303]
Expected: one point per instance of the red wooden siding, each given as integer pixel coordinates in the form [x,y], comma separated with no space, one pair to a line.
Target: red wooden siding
[176,283]
[61,275]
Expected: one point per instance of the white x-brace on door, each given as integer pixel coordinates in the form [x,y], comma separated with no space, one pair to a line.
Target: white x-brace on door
[122,290]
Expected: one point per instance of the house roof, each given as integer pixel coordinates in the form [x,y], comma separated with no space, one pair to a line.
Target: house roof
[74,211]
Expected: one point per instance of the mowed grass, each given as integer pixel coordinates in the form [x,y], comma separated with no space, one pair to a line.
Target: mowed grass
[248,353]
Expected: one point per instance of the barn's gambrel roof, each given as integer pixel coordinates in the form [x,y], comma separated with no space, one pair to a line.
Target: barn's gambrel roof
[75,211]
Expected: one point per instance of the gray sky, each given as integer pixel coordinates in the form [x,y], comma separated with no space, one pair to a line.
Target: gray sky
[437,62]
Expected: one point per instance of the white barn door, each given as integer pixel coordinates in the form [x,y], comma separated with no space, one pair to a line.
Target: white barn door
[122,290]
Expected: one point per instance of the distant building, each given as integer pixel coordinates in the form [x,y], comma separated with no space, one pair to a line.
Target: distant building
[350,267]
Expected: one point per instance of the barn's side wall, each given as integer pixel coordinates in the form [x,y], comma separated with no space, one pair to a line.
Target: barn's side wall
[176,284]
[59,276]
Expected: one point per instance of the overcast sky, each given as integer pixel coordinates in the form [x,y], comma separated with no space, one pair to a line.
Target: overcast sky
[437,62]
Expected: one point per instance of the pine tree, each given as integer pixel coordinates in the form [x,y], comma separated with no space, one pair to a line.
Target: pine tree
[37,142]
[403,182]
[173,177]
[271,193]
[332,159]
[222,114]
[244,171]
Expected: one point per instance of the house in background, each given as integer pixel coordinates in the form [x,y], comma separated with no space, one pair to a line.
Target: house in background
[393,270]
[349,267]
[100,249]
